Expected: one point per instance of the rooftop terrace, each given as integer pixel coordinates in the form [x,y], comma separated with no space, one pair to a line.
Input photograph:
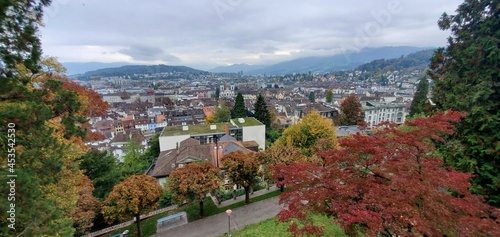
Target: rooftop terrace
[209,128]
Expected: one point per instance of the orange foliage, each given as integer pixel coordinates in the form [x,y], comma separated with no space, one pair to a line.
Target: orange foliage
[92,104]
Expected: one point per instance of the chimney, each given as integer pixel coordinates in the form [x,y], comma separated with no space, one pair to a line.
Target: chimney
[177,147]
[227,128]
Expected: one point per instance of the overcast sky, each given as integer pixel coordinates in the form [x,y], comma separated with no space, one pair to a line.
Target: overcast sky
[208,33]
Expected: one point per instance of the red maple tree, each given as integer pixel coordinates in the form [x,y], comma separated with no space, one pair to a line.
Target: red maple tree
[388,184]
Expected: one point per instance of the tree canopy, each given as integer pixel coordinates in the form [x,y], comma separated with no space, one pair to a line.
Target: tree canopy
[136,195]
[193,182]
[221,114]
[48,114]
[466,78]
[306,133]
[350,111]
[103,169]
[134,160]
[242,169]
[388,184]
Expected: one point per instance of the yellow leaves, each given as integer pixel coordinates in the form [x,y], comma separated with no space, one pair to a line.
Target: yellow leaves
[305,134]
[64,191]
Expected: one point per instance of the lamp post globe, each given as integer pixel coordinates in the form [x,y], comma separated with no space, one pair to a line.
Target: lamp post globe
[228,212]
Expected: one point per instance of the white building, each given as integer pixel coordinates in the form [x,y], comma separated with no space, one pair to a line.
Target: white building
[377,112]
[243,129]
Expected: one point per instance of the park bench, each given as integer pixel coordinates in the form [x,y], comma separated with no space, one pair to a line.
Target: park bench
[171,221]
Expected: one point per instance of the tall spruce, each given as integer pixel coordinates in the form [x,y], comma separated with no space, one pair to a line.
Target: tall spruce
[466,78]
[420,97]
[261,112]
[239,107]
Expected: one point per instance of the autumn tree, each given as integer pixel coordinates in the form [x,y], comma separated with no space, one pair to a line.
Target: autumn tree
[87,207]
[420,97]
[136,195]
[350,111]
[239,107]
[193,182]
[279,154]
[466,78]
[304,134]
[261,112]
[388,184]
[242,169]
[48,119]
[329,96]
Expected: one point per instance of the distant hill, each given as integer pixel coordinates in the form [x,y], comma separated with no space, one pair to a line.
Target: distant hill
[408,63]
[235,68]
[346,61]
[131,70]
[80,68]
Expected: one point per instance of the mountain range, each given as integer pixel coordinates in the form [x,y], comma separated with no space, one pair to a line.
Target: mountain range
[345,61]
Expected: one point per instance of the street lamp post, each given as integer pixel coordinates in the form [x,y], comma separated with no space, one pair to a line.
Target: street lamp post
[228,211]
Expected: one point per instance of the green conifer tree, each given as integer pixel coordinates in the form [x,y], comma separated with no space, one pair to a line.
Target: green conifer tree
[466,78]
[239,107]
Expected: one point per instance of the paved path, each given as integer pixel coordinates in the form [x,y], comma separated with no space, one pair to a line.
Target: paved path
[217,225]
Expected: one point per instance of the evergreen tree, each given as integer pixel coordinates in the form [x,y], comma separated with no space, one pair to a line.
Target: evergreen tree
[420,97]
[466,78]
[41,118]
[261,112]
[312,97]
[239,107]
[103,169]
[329,96]
[217,93]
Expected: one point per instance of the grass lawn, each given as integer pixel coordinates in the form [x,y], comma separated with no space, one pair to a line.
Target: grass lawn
[268,228]
[148,226]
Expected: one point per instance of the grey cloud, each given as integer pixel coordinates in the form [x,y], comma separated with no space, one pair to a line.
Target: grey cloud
[193,31]
[148,53]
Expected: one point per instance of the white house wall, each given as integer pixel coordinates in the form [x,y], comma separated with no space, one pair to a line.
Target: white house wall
[170,142]
[255,133]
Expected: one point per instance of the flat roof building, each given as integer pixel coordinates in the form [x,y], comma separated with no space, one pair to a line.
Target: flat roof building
[242,129]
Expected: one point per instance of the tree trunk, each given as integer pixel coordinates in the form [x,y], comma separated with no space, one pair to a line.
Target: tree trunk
[247,194]
[138,221]
[202,212]
[282,186]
